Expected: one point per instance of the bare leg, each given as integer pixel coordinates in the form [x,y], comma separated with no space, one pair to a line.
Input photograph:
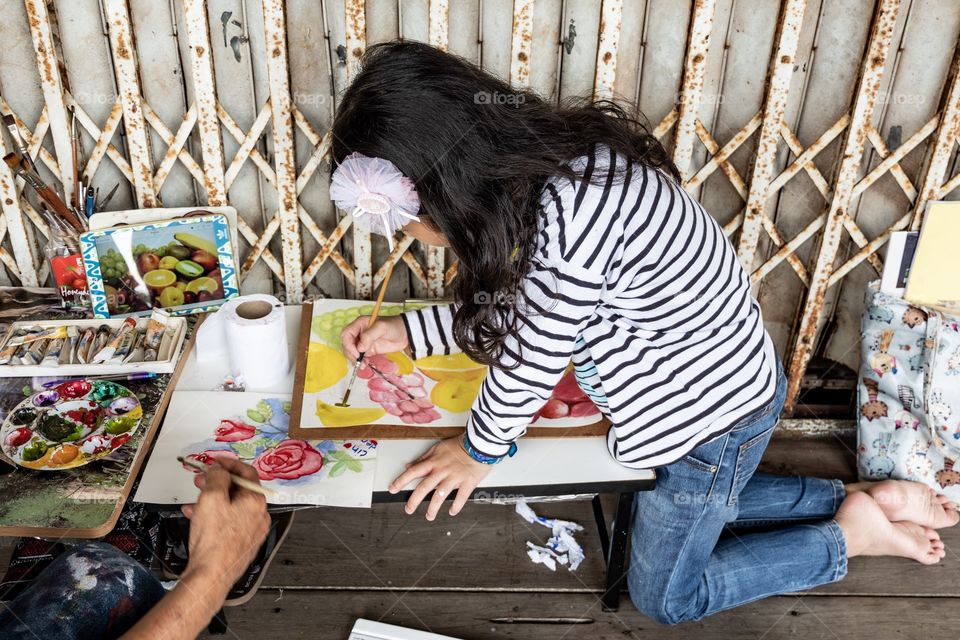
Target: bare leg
[868,532]
[906,501]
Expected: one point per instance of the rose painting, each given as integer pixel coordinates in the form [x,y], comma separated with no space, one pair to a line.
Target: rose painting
[204,426]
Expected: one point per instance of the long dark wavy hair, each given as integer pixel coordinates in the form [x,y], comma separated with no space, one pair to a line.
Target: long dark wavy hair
[479,152]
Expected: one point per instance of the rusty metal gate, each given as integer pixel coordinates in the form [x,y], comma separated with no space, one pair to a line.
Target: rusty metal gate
[811,129]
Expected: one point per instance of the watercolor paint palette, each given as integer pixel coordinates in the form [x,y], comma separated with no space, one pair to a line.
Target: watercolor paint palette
[70,425]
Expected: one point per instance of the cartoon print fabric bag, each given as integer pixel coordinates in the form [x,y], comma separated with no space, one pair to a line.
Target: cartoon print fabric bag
[909,393]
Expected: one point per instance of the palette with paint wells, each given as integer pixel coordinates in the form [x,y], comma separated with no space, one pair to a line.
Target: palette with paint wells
[70,425]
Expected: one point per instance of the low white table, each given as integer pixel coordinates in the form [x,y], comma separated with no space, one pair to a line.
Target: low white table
[575,466]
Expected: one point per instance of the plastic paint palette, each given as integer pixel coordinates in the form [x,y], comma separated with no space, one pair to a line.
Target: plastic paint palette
[70,425]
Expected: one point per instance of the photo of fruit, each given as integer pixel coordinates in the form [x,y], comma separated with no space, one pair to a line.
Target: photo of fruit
[169,266]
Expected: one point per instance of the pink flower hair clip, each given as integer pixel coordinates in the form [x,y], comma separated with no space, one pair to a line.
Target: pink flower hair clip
[376,193]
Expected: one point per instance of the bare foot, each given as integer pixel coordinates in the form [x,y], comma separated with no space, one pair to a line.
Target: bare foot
[869,533]
[905,501]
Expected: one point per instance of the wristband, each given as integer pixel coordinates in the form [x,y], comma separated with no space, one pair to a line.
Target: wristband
[483,458]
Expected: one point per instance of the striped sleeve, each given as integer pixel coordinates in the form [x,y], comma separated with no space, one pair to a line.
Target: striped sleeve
[561,298]
[581,234]
[430,331]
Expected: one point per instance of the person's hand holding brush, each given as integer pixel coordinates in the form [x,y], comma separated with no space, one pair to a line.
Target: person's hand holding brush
[445,469]
[386,335]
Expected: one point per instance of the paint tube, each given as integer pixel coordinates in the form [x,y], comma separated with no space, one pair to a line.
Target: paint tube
[155,328]
[99,341]
[70,346]
[35,351]
[136,354]
[18,357]
[6,355]
[52,357]
[52,333]
[84,344]
[126,346]
[106,353]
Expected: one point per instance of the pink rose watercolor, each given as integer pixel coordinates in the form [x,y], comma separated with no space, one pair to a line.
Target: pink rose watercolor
[233,431]
[289,460]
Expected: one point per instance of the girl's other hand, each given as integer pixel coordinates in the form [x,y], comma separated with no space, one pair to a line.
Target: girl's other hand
[445,468]
[385,336]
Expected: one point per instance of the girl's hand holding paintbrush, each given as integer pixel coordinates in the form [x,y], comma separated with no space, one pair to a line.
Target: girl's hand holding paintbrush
[386,335]
[445,467]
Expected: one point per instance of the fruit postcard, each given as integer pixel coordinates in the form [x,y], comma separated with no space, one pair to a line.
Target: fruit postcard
[204,426]
[185,265]
[396,396]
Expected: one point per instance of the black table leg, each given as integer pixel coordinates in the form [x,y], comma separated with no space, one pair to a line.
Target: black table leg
[601,525]
[617,551]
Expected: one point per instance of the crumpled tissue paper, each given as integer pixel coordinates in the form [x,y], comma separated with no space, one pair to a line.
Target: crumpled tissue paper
[561,548]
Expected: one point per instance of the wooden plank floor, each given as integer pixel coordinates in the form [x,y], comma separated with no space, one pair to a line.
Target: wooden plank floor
[469,577]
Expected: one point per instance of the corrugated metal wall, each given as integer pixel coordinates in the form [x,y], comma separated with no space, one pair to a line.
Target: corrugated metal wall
[809,128]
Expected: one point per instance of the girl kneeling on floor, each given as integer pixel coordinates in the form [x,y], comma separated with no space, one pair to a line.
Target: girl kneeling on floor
[576,242]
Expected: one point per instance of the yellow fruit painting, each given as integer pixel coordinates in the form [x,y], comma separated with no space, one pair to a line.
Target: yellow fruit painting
[455,395]
[334,416]
[454,366]
[403,361]
[325,367]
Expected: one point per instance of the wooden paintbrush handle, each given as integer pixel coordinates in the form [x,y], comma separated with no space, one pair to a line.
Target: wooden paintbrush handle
[51,198]
[383,291]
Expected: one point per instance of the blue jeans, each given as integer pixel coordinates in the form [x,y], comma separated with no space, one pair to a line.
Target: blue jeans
[92,592]
[681,569]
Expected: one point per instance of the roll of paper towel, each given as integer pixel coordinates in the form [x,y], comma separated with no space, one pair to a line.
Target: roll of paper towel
[252,332]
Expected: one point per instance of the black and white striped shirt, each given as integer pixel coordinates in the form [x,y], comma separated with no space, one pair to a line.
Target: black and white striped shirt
[646,279]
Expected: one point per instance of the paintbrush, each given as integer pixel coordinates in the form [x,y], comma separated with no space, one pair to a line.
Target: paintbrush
[48,195]
[10,122]
[102,203]
[390,382]
[373,318]
[74,140]
[58,224]
[240,481]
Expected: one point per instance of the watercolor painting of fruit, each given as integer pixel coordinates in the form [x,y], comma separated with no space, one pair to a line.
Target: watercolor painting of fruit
[395,390]
[70,425]
[204,426]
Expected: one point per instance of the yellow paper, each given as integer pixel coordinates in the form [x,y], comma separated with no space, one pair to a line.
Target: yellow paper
[934,278]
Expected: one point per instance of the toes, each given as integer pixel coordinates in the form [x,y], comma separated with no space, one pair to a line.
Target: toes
[931,534]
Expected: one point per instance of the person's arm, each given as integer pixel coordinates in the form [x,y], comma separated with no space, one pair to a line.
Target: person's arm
[430,330]
[581,238]
[561,298]
[426,332]
[227,526]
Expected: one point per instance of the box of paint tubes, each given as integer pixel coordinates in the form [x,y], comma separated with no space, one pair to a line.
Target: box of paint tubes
[92,347]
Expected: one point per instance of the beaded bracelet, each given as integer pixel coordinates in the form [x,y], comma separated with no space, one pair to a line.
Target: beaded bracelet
[484,458]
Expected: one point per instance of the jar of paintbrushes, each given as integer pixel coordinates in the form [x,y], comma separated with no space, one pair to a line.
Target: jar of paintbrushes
[63,247]
[66,265]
